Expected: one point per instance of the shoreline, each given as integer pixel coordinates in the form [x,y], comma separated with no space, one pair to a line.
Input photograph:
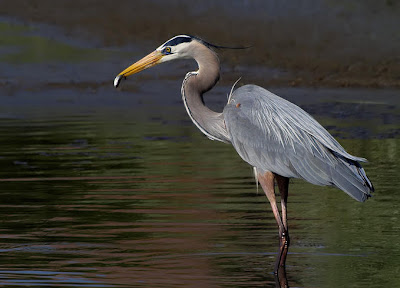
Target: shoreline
[313,59]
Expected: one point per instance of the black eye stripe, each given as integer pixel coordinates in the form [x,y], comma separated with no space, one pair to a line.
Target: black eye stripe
[178,40]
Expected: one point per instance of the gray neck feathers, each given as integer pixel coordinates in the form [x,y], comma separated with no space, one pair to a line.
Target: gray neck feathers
[195,85]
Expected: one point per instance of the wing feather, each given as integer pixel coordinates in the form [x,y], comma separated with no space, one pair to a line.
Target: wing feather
[275,135]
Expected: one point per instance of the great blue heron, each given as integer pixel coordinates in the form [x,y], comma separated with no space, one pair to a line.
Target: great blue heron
[279,139]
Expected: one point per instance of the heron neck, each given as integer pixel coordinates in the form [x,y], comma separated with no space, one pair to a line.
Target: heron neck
[197,83]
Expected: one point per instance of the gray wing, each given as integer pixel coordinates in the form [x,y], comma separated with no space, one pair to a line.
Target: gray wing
[275,135]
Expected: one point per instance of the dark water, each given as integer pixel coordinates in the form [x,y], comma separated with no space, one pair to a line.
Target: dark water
[107,188]
[115,198]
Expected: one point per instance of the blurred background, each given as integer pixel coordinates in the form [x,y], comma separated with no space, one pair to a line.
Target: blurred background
[105,187]
[332,42]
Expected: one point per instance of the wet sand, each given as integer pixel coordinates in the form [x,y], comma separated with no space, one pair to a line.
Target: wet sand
[65,57]
[312,43]
[63,60]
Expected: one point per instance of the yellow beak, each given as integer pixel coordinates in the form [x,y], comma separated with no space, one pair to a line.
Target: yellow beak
[144,63]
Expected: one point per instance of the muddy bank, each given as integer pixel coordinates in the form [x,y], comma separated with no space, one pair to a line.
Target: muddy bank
[315,43]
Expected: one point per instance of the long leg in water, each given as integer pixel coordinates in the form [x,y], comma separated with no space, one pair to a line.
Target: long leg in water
[267,181]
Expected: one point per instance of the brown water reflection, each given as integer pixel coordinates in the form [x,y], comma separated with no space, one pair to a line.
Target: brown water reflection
[119,208]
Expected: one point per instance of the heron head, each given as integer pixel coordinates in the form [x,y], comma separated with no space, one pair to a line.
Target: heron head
[177,47]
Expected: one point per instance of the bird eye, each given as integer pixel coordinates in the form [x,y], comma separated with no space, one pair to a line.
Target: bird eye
[167,50]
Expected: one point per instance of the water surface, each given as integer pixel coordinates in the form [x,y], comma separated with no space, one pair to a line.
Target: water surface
[117,198]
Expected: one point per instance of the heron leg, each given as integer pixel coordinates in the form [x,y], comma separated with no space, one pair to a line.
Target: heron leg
[283,185]
[267,181]
[281,279]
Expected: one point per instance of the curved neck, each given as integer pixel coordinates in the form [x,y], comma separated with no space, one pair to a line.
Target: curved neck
[194,86]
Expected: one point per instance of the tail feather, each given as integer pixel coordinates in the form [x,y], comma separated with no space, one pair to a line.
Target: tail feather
[350,177]
[363,175]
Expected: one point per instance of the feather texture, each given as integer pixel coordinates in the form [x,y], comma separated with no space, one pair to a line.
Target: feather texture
[275,135]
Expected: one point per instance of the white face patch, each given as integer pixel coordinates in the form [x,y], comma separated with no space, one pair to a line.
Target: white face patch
[179,51]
